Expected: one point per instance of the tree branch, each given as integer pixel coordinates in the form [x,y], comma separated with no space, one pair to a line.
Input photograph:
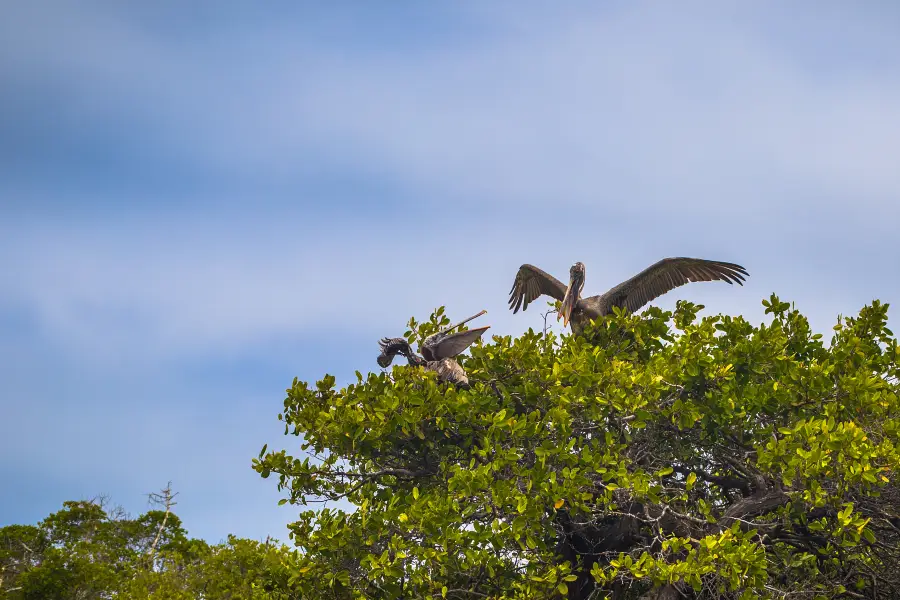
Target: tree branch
[166,498]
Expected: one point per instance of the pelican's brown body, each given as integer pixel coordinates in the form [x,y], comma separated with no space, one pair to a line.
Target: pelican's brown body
[667,274]
[438,352]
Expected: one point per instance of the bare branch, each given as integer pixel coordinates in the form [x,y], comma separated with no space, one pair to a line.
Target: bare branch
[165,498]
[545,315]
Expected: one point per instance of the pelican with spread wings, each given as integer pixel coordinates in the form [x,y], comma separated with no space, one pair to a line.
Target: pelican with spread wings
[438,351]
[652,282]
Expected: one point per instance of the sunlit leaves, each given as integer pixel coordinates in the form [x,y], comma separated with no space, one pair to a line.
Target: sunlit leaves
[736,440]
[86,551]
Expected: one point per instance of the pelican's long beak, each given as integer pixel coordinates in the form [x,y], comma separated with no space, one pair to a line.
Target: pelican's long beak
[568,303]
[570,299]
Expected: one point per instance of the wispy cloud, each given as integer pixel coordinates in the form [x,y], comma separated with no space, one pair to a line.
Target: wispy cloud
[151,292]
[647,101]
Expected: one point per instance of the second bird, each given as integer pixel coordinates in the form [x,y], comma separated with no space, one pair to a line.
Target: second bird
[652,282]
[438,351]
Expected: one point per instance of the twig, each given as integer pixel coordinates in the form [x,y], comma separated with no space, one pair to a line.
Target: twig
[545,315]
[166,498]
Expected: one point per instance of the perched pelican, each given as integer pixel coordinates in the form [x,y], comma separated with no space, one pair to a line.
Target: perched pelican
[652,282]
[437,350]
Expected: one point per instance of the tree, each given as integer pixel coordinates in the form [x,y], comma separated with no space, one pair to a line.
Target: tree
[81,551]
[85,551]
[659,456]
[238,569]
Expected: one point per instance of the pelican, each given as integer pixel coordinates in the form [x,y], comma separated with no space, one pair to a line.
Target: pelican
[652,282]
[437,351]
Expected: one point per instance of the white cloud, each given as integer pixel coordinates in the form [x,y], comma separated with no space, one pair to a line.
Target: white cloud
[705,108]
[664,131]
[636,108]
[115,295]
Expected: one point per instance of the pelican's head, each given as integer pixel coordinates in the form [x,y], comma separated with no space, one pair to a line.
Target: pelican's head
[573,293]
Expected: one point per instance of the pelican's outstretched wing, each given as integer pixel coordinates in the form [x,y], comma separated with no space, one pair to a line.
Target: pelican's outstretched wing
[455,343]
[530,284]
[668,274]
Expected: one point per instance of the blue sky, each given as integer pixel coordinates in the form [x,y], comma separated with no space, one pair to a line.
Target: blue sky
[198,203]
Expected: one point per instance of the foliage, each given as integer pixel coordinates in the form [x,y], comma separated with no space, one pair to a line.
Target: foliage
[84,551]
[658,456]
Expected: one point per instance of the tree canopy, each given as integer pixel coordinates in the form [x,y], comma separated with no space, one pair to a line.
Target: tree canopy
[87,552]
[660,455]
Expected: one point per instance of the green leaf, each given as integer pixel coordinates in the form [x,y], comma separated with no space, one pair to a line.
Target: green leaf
[689,482]
[538,444]
[522,504]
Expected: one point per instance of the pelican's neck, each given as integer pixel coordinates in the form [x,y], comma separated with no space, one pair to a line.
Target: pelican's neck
[415,359]
[402,347]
